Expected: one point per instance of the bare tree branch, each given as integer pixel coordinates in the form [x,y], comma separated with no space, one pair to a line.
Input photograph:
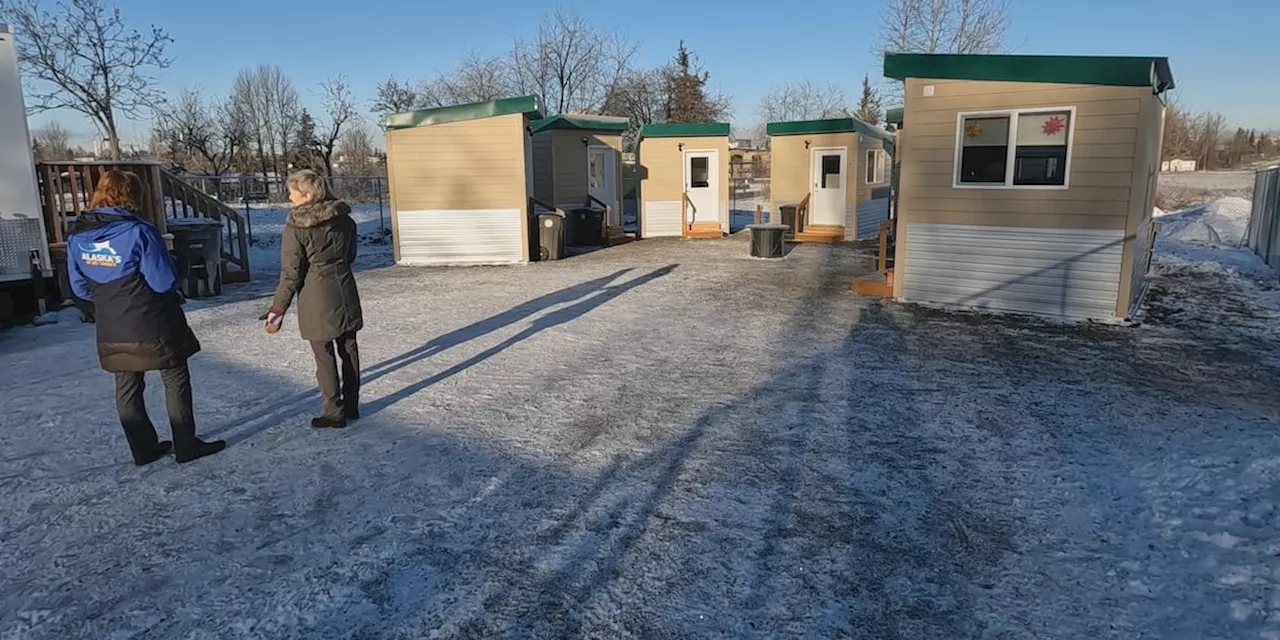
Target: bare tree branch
[52,142]
[340,113]
[570,64]
[940,26]
[81,56]
[803,100]
[394,96]
[266,100]
[214,132]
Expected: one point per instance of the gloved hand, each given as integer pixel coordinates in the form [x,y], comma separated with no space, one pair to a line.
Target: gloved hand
[275,317]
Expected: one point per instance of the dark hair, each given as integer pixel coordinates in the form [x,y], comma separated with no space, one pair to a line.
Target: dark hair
[120,189]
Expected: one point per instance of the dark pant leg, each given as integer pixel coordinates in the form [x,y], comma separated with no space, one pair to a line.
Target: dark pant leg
[132,407]
[181,409]
[349,351]
[327,378]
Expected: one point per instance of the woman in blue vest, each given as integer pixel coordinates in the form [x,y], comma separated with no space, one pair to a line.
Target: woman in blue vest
[118,261]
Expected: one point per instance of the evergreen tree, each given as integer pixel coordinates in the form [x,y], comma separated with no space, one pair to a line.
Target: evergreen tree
[686,91]
[870,110]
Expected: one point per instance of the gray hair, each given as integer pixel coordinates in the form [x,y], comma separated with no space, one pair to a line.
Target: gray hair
[310,184]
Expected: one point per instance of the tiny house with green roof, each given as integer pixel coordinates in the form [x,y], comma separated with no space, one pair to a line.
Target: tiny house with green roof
[833,173]
[684,180]
[1027,182]
[577,162]
[461,179]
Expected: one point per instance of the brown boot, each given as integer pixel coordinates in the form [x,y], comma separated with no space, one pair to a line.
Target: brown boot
[328,423]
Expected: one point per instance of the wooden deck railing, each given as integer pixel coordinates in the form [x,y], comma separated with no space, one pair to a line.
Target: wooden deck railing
[180,200]
[802,214]
[535,203]
[685,204]
[882,258]
[66,189]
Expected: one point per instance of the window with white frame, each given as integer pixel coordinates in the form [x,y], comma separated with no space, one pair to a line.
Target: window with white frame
[877,160]
[1021,148]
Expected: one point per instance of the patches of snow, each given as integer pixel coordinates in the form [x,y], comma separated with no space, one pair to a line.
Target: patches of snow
[1219,223]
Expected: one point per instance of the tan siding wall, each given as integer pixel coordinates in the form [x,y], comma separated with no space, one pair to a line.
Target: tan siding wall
[543,167]
[1104,153]
[790,172]
[1143,185]
[571,167]
[560,160]
[661,166]
[474,164]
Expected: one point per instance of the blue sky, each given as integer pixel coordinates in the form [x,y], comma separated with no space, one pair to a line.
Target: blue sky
[1223,59]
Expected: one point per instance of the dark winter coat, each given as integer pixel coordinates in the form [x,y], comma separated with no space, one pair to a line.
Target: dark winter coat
[119,262]
[316,253]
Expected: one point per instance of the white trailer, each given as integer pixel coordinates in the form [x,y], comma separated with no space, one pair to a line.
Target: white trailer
[22,229]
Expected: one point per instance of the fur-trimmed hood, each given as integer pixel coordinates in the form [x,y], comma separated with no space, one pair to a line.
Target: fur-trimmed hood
[314,214]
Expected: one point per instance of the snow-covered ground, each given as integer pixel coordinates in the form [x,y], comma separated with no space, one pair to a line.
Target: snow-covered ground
[666,439]
[1201,258]
[373,221]
[1210,180]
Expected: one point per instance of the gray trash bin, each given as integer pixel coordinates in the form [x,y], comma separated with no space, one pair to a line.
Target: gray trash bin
[197,249]
[788,214]
[767,240]
[550,235]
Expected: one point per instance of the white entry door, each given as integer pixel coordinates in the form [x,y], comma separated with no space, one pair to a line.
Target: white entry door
[602,178]
[830,171]
[702,185]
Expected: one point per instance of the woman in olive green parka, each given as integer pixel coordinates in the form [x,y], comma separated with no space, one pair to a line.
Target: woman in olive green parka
[318,246]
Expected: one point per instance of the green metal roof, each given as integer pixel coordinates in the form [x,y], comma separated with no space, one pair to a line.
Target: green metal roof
[582,122]
[833,125]
[527,105]
[684,130]
[1119,71]
[893,116]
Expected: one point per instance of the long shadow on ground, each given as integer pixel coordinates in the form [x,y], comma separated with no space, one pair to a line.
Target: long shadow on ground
[247,426]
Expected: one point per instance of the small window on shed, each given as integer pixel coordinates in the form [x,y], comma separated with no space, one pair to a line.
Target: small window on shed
[1041,156]
[1028,148]
[831,171]
[876,160]
[699,172]
[984,149]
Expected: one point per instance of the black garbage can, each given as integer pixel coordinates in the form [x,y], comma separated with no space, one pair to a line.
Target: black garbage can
[550,235]
[788,215]
[767,240]
[586,227]
[197,249]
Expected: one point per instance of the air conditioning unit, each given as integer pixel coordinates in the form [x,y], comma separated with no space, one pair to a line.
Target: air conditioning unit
[23,243]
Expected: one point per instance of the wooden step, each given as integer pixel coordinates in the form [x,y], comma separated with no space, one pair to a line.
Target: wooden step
[704,230]
[821,233]
[878,285]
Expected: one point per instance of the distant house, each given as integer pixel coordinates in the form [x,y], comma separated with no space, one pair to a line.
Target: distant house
[1177,165]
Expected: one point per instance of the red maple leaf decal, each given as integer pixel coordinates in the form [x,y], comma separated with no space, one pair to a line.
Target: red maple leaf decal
[1053,126]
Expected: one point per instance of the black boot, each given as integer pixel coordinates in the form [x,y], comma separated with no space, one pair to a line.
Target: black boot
[200,449]
[158,452]
[328,423]
[351,413]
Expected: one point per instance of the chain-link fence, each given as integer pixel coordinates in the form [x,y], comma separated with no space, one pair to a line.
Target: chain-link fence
[257,193]
[748,188]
